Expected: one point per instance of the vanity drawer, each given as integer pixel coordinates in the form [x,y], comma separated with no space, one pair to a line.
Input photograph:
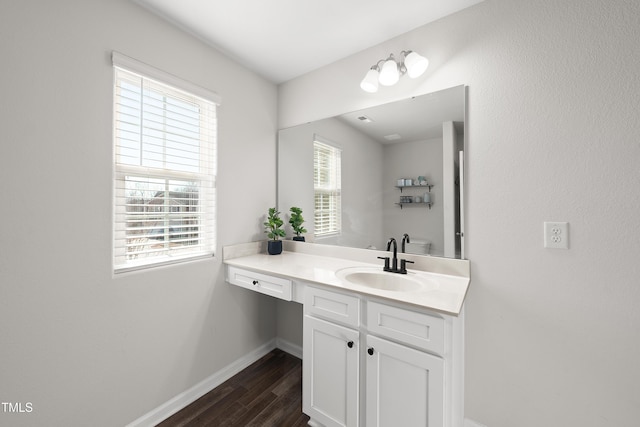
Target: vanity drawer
[265,284]
[333,306]
[418,329]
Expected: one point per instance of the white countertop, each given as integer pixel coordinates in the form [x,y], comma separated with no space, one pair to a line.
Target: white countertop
[447,298]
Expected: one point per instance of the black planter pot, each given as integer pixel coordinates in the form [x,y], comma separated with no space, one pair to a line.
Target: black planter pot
[274,247]
[298,238]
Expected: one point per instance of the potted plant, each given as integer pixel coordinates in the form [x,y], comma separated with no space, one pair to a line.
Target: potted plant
[296,220]
[274,232]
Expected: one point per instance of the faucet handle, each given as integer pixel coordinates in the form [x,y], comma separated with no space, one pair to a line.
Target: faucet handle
[386,263]
[403,265]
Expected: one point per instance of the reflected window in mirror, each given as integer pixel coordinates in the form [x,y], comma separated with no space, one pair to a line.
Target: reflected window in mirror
[327,183]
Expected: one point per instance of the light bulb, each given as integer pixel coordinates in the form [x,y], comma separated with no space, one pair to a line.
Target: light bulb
[416,64]
[389,74]
[370,81]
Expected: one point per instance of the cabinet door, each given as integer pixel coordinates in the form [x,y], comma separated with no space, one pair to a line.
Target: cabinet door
[330,373]
[405,387]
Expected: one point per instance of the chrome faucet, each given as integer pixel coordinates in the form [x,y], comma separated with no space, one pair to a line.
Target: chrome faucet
[405,239]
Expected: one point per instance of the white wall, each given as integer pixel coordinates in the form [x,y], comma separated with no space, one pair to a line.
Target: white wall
[553,131]
[84,347]
[295,176]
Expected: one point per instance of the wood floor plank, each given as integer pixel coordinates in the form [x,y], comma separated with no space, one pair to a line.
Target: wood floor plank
[267,393]
[250,412]
[288,381]
[183,418]
[272,414]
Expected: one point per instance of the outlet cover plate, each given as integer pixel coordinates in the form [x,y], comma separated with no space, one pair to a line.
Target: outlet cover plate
[556,235]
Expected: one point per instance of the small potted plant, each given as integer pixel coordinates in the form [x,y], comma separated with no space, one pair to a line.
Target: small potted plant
[274,232]
[296,220]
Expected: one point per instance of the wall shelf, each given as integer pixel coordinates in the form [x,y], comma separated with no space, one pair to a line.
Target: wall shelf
[411,202]
[401,204]
[428,187]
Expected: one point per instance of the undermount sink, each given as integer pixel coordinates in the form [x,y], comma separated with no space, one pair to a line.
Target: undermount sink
[379,279]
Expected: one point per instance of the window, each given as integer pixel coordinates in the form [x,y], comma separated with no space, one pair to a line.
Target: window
[164,167]
[326,185]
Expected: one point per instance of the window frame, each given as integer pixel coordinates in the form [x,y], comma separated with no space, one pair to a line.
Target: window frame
[202,177]
[332,190]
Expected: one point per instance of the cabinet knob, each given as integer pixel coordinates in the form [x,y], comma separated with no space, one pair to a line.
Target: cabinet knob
[255,282]
[350,344]
[370,351]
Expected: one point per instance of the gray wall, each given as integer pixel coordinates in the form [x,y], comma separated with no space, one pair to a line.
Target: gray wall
[410,160]
[87,348]
[553,130]
[361,174]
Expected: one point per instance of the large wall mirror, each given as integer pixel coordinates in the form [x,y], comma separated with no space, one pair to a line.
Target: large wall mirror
[378,173]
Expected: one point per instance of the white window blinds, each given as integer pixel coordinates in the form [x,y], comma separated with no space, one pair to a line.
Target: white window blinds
[165,170]
[327,188]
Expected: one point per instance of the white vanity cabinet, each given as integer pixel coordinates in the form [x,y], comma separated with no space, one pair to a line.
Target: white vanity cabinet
[331,368]
[331,358]
[372,357]
[370,363]
[404,386]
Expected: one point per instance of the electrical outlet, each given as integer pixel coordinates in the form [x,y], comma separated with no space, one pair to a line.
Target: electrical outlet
[556,235]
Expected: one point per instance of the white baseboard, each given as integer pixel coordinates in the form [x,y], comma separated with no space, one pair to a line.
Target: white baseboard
[471,423]
[289,347]
[189,396]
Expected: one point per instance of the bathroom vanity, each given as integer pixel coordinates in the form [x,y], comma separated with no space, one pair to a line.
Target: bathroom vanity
[379,348]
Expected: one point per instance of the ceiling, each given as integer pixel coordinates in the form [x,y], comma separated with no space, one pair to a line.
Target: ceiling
[283,39]
[413,119]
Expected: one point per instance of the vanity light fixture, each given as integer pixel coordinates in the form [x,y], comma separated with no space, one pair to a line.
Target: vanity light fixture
[388,74]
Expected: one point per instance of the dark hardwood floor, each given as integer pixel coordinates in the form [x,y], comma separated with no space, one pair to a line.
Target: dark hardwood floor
[267,393]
